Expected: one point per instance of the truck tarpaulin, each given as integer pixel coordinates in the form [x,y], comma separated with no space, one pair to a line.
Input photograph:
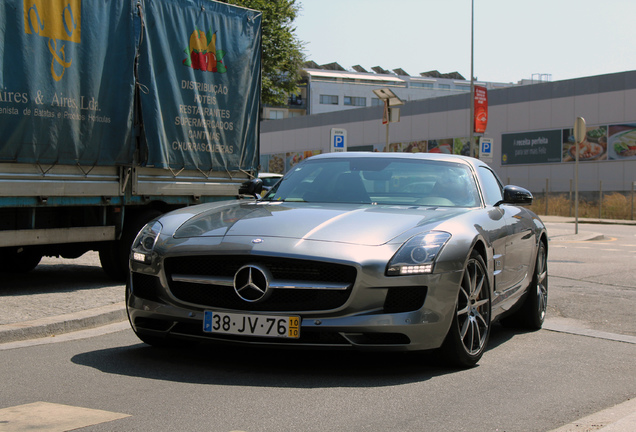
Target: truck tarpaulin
[200,78]
[66,81]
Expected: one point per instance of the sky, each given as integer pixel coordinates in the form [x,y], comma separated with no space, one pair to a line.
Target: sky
[513,39]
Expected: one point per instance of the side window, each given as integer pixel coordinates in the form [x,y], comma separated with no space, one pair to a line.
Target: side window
[490,186]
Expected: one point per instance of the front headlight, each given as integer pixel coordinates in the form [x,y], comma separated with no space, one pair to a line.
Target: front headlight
[145,242]
[418,254]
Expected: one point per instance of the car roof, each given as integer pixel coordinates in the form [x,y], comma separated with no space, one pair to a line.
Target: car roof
[397,155]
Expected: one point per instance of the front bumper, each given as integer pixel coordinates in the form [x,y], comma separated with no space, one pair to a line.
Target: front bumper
[369,320]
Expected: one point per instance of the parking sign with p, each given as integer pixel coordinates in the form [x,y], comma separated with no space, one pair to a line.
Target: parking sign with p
[485,149]
[338,140]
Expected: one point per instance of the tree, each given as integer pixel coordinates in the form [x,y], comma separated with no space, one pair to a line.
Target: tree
[282,50]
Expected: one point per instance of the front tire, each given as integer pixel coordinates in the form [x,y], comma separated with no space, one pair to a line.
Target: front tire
[468,335]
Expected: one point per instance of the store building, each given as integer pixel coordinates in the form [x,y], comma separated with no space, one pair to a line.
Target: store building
[330,88]
[530,127]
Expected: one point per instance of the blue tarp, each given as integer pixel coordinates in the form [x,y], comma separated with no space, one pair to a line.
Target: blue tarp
[67,83]
[200,75]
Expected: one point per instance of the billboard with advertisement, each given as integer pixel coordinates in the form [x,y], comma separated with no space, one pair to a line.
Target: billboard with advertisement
[621,142]
[593,148]
[481,109]
[531,147]
[602,143]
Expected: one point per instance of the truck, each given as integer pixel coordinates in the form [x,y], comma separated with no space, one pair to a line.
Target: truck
[114,112]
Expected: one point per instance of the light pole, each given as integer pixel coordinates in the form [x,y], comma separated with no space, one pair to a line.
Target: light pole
[471,120]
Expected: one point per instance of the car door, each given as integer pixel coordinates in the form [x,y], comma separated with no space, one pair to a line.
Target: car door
[520,247]
[513,256]
[497,227]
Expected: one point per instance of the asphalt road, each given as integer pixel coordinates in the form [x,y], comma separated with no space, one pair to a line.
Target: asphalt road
[582,363]
[593,283]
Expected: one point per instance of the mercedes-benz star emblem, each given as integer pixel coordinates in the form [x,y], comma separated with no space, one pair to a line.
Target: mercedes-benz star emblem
[251,283]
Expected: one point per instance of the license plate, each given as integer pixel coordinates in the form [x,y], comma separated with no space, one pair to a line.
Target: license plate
[251,325]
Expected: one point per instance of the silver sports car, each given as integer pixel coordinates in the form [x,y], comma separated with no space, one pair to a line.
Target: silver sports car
[371,251]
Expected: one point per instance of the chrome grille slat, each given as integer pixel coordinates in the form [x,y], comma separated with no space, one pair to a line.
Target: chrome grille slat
[274,284]
[297,285]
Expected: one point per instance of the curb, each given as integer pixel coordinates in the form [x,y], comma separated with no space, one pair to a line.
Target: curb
[619,418]
[51,326]
[589,236]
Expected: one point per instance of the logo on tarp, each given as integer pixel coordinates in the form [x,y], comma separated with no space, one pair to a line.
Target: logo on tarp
[202,53]
[57,20]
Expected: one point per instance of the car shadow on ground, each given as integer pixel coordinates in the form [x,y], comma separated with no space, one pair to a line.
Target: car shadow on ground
[266,367]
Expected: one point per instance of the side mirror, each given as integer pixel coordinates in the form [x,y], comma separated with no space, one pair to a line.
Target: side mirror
[516,195]
[252,187]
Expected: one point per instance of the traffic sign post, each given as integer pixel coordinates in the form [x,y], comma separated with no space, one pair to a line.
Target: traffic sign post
[485,149]
[338,140]
[580,131]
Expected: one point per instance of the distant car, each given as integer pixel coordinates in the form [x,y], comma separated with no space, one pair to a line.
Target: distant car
[348,250]
[269,179]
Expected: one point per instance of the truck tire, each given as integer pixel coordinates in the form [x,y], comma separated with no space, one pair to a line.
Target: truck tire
[18,260]
[114,255]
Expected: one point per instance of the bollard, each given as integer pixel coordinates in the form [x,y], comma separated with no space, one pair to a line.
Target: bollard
[633,184]
[547,188]
[600,199]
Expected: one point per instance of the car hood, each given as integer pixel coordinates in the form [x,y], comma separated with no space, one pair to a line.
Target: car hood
[355,224]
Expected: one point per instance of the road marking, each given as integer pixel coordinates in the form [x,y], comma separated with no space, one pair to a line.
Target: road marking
[570,326]
[51,417]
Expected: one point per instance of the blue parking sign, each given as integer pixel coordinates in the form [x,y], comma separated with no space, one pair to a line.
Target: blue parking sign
[485,149]
[338,140]
[485,146]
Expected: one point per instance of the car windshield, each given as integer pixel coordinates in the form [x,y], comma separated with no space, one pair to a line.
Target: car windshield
[379,181]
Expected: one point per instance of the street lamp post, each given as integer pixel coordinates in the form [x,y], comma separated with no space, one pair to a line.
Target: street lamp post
[472,81]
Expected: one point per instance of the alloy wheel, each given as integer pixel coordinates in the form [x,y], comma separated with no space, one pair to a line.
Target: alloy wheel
[473,308]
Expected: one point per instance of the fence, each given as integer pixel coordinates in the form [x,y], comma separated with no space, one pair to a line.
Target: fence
[613,205]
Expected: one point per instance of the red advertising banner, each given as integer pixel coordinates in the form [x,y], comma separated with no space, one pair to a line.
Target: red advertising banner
[481,109]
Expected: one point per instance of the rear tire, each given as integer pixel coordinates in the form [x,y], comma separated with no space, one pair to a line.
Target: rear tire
[18,260]
[469,332]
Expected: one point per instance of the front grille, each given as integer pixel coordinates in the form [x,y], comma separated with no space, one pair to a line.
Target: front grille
[293,299]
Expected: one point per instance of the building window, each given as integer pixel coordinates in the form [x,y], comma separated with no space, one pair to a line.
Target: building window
[421,85]
[276,114]
[376,102]
[328,100]
[295,100]
[355,101]
[444,86]
[462,87]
